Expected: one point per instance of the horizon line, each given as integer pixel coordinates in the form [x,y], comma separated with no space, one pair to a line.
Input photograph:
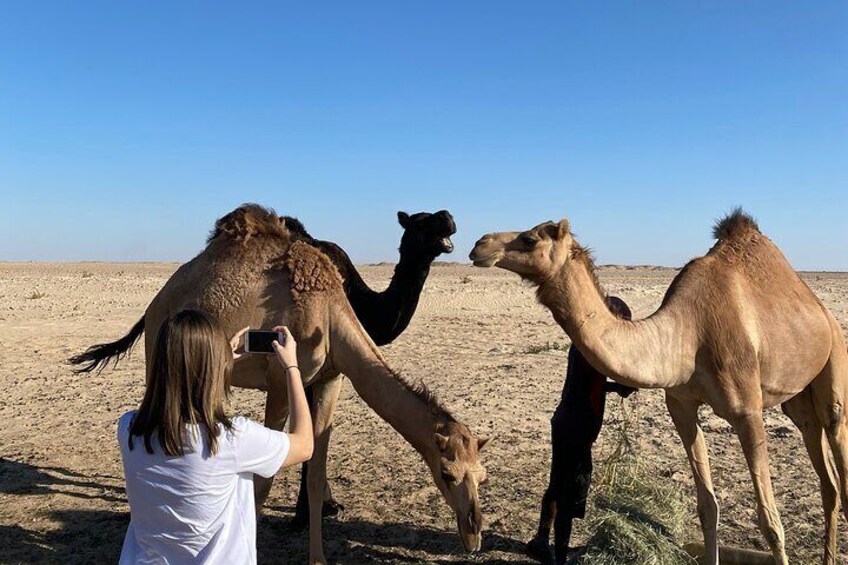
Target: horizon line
[437,263]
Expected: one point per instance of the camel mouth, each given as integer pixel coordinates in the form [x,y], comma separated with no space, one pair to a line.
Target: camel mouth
[485,262]
[472,546]
[472,541]
[447,245]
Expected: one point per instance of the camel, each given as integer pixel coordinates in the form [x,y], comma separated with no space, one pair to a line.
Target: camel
[384,315]
[737,330]
[253,273]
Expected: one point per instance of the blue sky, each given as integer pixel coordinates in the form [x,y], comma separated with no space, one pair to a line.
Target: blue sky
[127,128]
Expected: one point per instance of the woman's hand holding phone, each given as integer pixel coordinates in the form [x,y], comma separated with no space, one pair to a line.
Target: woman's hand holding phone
[238,352]
[287,351]
[300,422]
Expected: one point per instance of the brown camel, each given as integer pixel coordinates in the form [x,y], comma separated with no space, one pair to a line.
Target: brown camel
[252,273]
[737,330]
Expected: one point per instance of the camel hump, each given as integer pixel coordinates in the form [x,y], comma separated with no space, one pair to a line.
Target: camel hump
[247,221]
[734,225]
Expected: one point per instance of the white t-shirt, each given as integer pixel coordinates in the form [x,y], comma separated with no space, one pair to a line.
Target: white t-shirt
[197,507]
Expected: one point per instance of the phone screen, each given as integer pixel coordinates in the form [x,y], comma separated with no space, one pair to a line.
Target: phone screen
[258,341]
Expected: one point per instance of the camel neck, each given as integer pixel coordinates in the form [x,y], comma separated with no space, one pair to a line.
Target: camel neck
[408,407]
[406,285]
[656,352]
[385,315]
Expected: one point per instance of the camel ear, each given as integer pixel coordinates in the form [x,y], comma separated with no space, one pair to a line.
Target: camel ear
[441,441]
[481,442]
[563,229]
[403,219]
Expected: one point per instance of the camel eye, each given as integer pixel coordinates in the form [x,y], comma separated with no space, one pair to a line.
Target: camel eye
[529,240]
[448,478]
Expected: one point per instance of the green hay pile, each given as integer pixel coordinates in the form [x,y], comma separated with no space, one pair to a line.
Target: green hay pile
[638,517]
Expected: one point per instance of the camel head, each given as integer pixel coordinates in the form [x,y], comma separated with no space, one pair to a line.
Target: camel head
[458,474]
[534,254]
[426,235]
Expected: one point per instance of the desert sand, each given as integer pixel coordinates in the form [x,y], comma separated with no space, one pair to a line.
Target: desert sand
[472,340]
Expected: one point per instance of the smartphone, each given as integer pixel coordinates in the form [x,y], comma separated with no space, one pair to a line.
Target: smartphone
[259,341]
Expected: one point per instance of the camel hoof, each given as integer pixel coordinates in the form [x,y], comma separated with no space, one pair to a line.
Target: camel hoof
[298,523]
[331,508]
[731,555]
[539,550]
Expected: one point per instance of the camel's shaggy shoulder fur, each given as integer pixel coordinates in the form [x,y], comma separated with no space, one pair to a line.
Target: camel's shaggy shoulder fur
[311,270]
[734,225]
[248,221]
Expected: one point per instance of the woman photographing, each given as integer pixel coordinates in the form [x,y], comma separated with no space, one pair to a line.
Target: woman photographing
[189,467]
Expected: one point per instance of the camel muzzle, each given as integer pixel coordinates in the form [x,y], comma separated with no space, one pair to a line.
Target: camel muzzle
[470,525]
[481,259]
[487,251]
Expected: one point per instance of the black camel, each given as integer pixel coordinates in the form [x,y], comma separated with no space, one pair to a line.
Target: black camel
[384,315]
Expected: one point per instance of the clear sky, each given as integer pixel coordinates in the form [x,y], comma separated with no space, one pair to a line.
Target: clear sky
[126,128]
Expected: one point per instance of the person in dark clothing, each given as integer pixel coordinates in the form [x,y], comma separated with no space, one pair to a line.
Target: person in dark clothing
[575,426]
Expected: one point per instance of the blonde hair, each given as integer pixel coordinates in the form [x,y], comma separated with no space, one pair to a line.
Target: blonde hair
[187,381]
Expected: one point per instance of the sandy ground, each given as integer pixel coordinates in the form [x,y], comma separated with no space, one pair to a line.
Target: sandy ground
[61,491]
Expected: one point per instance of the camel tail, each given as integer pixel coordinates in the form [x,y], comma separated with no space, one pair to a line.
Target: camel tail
[97,357]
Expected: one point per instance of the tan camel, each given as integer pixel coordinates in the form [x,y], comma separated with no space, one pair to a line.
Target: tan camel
[737,330]
[252,274]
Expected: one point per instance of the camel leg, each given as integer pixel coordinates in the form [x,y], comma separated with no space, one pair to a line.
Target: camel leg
[276,414]
[752,435]
[830,394]
[301,511]
[326,398]
[684,414]
[801,411]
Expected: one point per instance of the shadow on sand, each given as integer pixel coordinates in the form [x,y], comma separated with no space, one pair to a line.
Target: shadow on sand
[17,478]
[49,535]
[357,541]
[82,536]
[53,534]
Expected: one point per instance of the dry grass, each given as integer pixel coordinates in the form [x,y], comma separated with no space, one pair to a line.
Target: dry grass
[636,519]
[36,294]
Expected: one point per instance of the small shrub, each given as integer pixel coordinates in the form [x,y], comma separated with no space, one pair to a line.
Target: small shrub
[549,346]
[465,279]
[87,274]
[36,295]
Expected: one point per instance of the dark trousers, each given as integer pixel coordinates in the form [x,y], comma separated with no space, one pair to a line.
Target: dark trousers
[565,497]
